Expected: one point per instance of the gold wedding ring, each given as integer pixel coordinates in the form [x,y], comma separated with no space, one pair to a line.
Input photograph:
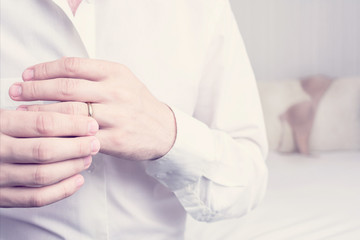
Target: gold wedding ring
[90,109]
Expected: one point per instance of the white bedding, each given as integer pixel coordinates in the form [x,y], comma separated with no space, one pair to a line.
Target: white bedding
[308,198]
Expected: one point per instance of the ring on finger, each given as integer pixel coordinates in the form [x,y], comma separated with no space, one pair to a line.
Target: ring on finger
[90,109]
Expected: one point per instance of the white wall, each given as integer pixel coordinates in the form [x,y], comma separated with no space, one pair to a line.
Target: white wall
[292,38]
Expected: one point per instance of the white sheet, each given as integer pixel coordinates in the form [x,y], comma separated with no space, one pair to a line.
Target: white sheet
[308,198]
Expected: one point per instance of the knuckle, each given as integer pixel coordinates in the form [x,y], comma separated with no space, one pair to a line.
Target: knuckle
[122,68]
[67,86]
[118,69]
[113,94]
[31,89]
[40,176]
[42,153]
[45,124]
[71,64]
[66,192]
[78,166]
[72,108]
[34,108]
[37,199]
[43,70]
[83,149]
[120,95]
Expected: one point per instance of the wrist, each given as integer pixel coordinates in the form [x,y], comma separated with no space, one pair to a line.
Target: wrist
[167,134]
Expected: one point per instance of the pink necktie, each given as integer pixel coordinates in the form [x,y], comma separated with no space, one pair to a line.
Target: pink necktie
[74,4]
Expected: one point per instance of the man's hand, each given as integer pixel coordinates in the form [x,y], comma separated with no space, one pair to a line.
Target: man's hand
[40,161]
[133,123]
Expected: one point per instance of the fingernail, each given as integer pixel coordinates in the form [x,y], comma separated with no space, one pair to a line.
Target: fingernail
[93,127]
[28,74]
[15,90]
[95,146]
[79,181]
[87,162]
[21,108]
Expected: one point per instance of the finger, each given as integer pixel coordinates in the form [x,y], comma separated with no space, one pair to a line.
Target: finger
[71,108]
[102,113]
[59,89]
[41,174]
[46,124]
[95,70]
[40,196]
[46,150]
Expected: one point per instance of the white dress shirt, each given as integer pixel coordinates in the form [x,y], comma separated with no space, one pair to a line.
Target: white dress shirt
[191,56]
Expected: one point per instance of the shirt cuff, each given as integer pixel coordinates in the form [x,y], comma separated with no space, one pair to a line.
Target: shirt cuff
[185,163]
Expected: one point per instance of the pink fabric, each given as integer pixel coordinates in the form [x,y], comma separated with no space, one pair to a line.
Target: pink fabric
[301,116]
[74,4]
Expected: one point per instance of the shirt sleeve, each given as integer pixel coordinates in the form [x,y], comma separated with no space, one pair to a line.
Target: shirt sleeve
[216,167]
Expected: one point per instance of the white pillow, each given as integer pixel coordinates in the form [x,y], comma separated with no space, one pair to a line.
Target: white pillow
[337,121]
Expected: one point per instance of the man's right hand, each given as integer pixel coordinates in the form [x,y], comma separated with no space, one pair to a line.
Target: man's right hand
[41,156]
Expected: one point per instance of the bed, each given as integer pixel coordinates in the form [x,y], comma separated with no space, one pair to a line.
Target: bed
[308,198]
[313,128]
